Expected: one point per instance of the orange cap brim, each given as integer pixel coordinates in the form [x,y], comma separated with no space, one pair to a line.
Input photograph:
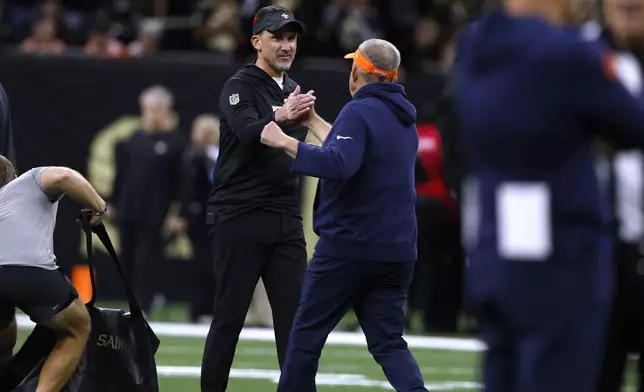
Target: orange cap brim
[364,64]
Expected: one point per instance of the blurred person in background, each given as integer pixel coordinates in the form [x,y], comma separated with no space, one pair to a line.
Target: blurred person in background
[418,297]
[147,42]
[427,51]
[360,22]
[69,25]
[124,16]
[438,273]
[7,151]
[78,16]
[446,108]
[345,24]
[7,148]
[44,39]
[198,170]
[624,34]
[254,211]
[220,29]
[102,43]
[147,181]
[537,231]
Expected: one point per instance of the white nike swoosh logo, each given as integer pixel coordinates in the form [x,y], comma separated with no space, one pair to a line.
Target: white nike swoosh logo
[342,137]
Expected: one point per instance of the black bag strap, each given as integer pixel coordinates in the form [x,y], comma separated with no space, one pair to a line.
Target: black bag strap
[90,261]
[101,233]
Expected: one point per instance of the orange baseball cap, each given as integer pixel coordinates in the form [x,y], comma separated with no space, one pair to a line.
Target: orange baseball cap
[367,66]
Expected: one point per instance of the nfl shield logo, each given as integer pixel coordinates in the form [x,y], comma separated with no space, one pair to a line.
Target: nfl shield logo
[233,99]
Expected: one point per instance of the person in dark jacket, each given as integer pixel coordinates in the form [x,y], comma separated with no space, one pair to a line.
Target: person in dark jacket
[198,169]
[532,101]
[6,132]
[146,183]
[253,213]
[364,213]
[447,125]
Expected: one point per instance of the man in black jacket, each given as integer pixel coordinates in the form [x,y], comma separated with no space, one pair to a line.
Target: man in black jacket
[253,209]
[6,132]
[145,185]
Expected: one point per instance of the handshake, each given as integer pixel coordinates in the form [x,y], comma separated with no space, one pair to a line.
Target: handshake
[297,107]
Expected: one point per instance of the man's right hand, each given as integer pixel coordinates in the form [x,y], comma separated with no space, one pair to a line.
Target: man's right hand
[295,107]
[97,220]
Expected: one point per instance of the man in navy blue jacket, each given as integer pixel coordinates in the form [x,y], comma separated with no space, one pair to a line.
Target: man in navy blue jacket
[533,99]
[365,217]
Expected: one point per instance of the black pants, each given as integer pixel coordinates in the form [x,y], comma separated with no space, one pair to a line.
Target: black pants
[142,256]
[626,329]
[203,296]
[257,244]
[438,277]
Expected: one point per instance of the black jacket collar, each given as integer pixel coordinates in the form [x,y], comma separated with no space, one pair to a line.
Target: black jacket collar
[253,71]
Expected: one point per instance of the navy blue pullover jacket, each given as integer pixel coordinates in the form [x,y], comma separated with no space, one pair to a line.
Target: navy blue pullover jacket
[365,204]
[532,99]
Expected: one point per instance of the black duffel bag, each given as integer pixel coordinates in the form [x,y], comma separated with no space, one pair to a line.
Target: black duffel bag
[119,356]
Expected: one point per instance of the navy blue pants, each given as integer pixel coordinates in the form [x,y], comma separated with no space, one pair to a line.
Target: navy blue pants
[377,292]
[543,323]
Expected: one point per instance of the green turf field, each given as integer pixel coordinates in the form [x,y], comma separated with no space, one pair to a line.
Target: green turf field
[343,367]
[349,368]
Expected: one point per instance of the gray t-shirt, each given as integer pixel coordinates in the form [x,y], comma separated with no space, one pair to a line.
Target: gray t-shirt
[27,221]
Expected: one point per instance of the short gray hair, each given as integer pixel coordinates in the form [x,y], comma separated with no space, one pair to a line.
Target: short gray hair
[207,122]
[382,54]
[157,92]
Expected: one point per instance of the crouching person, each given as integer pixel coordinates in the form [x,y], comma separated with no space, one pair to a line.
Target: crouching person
[29,276]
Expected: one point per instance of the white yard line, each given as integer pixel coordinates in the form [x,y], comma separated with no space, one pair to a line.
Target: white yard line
[267,335]
[330,379]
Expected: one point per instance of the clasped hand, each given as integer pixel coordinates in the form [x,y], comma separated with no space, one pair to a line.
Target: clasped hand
[297,107]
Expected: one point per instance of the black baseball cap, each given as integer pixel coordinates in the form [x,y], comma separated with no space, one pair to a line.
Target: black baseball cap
[274,20]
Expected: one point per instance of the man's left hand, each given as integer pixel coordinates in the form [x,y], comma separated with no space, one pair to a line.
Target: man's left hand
[273,136]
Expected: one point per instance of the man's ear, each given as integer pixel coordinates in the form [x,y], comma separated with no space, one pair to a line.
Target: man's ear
[256,42]
[354,74]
